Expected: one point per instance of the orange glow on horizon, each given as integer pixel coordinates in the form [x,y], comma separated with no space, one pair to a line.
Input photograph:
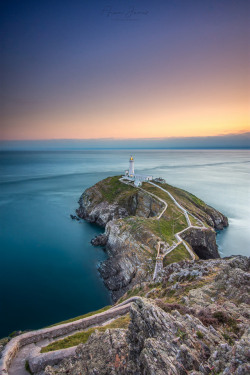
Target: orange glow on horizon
[120,113]
[188,123]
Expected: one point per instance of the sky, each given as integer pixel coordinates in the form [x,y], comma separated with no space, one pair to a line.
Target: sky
[124,69]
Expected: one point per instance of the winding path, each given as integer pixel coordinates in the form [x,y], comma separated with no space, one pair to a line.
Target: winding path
[160,256]
[177,235]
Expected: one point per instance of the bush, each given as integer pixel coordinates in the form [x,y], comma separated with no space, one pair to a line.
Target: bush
[199,334]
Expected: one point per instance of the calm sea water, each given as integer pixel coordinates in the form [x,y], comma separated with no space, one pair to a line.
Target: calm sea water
[48,267]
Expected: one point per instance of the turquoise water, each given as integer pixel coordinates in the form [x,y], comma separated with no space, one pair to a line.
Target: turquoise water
[48,267]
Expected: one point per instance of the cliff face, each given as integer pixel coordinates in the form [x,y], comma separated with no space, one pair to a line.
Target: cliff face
[99,204]
[195,322]
[131,253]
[132,230]
[203,242]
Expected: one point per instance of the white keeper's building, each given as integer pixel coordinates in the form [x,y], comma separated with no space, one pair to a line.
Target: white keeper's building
[136,178]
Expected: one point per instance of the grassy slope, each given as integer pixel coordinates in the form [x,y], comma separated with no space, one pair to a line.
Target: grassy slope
[82,337]
[164,229]
[178,254]
[113,190]
[189,201]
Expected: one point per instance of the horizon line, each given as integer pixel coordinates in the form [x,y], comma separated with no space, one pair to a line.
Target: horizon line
[131,138]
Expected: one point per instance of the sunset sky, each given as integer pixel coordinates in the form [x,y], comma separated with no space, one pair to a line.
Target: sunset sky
[124,69]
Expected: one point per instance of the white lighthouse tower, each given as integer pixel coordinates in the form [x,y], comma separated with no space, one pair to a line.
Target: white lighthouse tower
[131,167]
[136,179]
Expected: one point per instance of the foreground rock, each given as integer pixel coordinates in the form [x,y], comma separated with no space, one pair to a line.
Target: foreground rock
[207,333]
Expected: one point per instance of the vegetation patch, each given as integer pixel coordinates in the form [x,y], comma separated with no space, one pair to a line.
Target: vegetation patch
[223,318]
[166,229]
[178,254]
[189,201]
[82,337]
[136,291]
[112,189]
[172,208]
[228,338]
[200,335]
[181,334]
[175,295]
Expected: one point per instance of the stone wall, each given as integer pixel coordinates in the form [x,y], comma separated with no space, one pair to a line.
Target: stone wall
[18,342]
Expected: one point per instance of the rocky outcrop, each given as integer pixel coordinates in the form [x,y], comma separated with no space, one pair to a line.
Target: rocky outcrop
[100,240]
[208,333]
[96,206]
[215,218]
[203,242]
[130,257]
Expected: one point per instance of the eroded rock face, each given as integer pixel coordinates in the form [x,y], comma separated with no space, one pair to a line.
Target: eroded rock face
[100,240]
[128,261]
[104,353]
[100,214]
[185,339]
[94,208]
[203,242]
[217,219]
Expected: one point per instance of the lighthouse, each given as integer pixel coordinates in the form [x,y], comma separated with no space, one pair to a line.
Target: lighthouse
[131,167]
[136,179]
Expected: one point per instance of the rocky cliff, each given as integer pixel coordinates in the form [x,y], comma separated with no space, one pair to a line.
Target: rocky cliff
[132,230]
[109,199]
[195,321]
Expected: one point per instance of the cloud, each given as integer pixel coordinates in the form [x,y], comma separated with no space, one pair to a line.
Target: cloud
[229,141]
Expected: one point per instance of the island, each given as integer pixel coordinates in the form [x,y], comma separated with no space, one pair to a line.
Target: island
[148,225]
[178,307]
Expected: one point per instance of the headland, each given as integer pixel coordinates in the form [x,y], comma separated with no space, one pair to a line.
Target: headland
[148,225]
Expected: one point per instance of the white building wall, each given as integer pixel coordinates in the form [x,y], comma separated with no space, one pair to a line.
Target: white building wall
[131,167]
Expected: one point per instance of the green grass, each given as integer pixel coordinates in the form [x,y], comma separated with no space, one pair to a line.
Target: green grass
[189,201]
[82,337]
[172,208]
[165,229]
[183,195]
[82,316]
[178,254]
[181,334]
[112,189]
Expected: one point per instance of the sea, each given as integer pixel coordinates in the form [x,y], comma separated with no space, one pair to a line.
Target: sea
[48,268]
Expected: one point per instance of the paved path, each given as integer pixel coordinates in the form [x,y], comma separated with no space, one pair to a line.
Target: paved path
[147,192]
[160,256]
[32,349]
[177,235]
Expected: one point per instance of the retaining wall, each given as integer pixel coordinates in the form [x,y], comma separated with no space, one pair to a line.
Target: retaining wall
[53,332]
